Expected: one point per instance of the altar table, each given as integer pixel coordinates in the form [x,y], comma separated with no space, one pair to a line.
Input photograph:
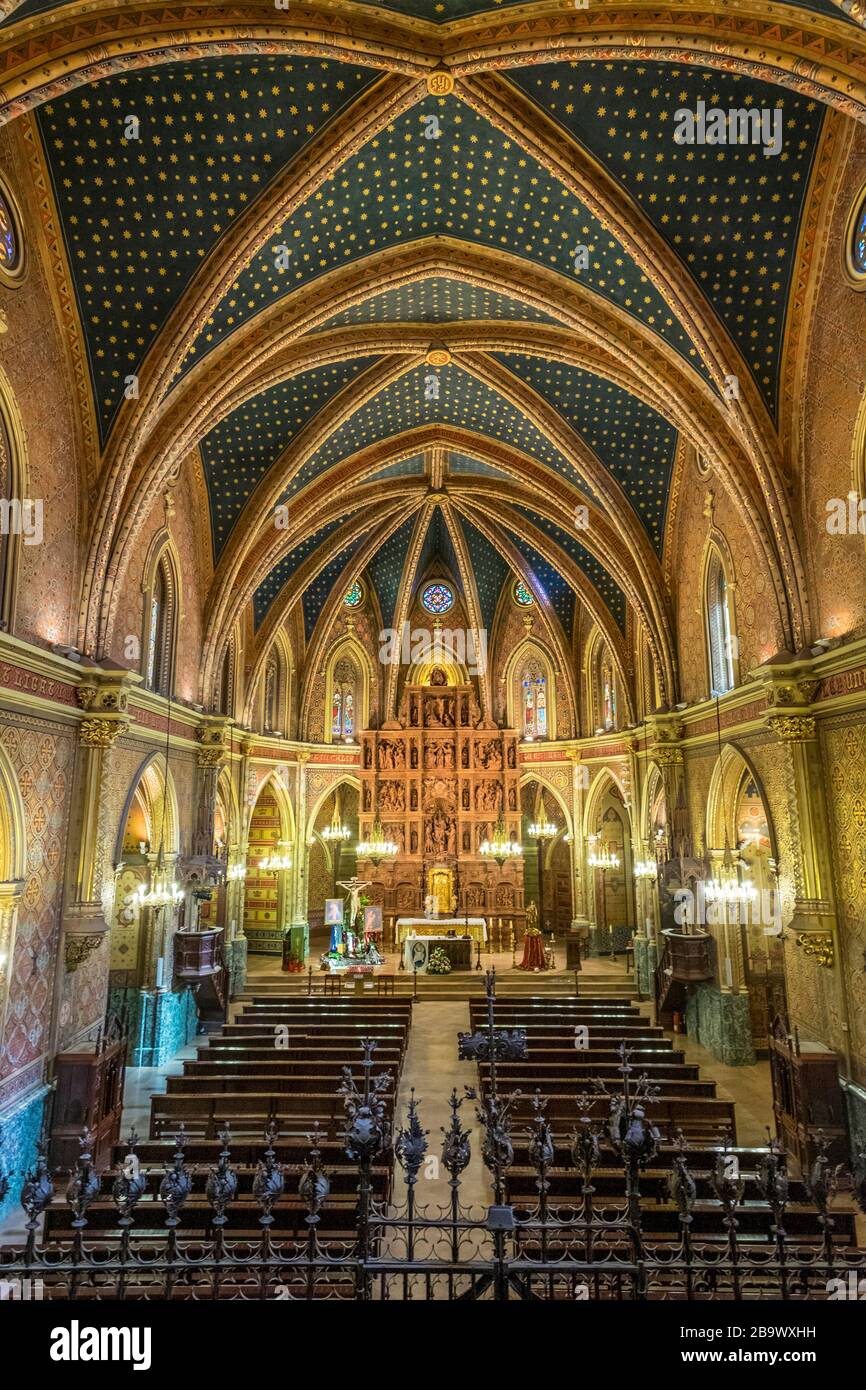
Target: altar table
[476,927]
[417,951]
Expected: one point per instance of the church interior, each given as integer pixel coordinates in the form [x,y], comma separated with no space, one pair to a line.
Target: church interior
[433,650]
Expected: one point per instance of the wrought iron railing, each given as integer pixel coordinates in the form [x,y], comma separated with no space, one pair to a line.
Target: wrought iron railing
[545,1249]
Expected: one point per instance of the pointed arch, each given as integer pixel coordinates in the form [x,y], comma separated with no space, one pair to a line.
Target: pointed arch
[349,678]
[530,690]
[149,784]
[13,492]
[269,701]
[602,685]
[162,613]
[731,773]
[719,615]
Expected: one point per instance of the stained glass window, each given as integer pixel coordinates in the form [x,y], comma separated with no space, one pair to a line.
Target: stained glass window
[534,686]
[437,598]
[343,700]
[9,249]
[522,595]
[858,241]
[354,595]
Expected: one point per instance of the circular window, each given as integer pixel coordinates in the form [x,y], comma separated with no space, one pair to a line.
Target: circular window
[522,595]
[437,598]
[354,595]
[11,243]
[855,242]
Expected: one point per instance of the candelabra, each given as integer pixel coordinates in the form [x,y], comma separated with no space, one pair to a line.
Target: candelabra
[236,873]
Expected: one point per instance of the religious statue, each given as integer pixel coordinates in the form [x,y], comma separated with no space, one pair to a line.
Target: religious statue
[533,946]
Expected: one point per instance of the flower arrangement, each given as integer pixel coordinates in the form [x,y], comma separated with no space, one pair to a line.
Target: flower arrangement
[438,962]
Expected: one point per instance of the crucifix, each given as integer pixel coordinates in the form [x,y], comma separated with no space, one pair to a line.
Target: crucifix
[354,887]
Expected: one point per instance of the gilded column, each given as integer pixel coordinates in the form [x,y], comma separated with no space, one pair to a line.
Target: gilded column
[814,925]
[90,887]
[10,896]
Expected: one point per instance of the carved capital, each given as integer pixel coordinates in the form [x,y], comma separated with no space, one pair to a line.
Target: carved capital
[213,742]
[667,757]
[105,696]
[819,946]
[101,733]
[795,728]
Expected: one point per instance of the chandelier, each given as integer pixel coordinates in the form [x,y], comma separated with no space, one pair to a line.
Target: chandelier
[276,863]
[645,869]
[336,831]
[542,830]
[377,847]
[603,858]
[729,891]
[161,892]
[501,848]
[236,872]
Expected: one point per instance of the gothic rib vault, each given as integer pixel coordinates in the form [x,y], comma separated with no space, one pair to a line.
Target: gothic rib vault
[275,303]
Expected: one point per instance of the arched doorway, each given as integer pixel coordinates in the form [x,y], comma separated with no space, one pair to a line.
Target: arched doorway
[742,845]
[331,858]
[547,874]
[267,898]
[608,838]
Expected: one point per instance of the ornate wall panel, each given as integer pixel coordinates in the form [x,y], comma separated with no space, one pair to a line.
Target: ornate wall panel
[844,744]
[834,386]
[42,755]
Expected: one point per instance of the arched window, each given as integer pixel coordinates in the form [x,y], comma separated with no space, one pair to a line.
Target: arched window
[19,513]
[272,695]
[533,687]
[609,715]
[224,701]
[160,627]
[720,639]
[343,697]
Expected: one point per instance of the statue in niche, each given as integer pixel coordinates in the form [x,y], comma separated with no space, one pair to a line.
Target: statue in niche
[413,714]
[451,837]
[439,835]
[399,757]
[395,833]
[464,755]
[414,841]
[413,756]
[433,714]
[386,757]
[512,799]
[438,677]
[504,895]
[466,806]
[511,762]
[467,843]
[367,798]
[413,799]
[474,897]
[368,756]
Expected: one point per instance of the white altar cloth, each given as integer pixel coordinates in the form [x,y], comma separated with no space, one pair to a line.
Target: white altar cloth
[476,927]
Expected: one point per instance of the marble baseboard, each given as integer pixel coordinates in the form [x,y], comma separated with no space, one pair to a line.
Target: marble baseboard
[721,1023]
[20,1128]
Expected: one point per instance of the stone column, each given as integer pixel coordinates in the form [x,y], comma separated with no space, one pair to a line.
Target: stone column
[578,936]
[301,856]
[10,896]
[89,895]
[814,926]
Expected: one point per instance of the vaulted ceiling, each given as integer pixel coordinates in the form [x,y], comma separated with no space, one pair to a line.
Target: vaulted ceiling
[435,279]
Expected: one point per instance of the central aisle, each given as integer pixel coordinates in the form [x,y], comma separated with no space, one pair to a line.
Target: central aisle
[431,1066]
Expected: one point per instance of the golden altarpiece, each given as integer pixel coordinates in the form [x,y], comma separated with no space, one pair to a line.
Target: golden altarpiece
[438,778]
